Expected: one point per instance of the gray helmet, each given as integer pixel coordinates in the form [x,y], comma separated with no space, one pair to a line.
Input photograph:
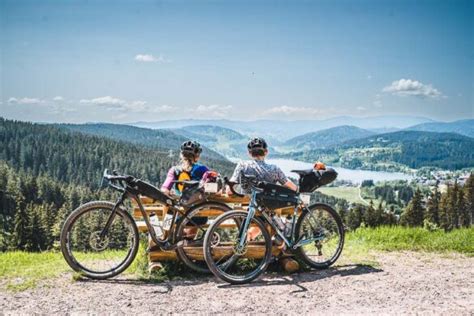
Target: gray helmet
[191,147]
[257,143]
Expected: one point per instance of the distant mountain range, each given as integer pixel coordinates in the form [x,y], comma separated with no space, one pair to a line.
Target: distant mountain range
[441,144]
[223,140]
[278,131]
[463,127]
[326,138]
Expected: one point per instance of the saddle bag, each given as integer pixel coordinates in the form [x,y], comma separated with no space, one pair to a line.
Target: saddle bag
[313,179]
[276,196]
[192,194]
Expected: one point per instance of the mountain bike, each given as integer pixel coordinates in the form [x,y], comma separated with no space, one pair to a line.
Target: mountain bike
[315,234]
[100,239]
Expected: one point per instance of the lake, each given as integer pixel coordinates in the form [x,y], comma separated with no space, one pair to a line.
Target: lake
[355,176]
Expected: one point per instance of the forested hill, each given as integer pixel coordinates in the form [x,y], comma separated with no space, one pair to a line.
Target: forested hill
[418,149]
[223,140]
[157,139]
[328,137]
[408,148]
[73,157]
[463,127]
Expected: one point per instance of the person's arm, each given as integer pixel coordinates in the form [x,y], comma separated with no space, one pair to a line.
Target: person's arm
[283,179]
[290,185]
[168,184]
[235,177]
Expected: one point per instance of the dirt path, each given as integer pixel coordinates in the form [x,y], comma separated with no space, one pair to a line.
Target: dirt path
[401,283]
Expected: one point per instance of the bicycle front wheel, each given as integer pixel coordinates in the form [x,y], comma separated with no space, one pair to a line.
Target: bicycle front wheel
[93,254]
[320,232]
[227,258]
[191,231]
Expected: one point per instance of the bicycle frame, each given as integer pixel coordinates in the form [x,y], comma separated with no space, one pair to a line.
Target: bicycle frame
[161,242]
[292,243]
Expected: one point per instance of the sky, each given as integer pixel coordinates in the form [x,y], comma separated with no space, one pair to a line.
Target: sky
[127,61]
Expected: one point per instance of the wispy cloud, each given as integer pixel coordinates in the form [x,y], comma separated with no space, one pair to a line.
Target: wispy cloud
[113,103]
[58,98]
[408,87]
[292,110]
[213,110]
[149,58]
[107,102]
[25,100]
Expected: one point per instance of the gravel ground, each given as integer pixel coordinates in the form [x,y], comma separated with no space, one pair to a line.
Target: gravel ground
[402,283]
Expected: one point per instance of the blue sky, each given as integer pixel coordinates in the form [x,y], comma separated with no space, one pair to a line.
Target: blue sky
[119,61]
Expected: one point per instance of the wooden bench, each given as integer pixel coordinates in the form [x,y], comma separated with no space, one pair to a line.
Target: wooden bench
[254,250]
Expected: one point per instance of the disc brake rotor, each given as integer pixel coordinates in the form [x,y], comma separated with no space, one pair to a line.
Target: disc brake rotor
[97,243]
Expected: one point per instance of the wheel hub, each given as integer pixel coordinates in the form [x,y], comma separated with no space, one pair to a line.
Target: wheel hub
[97,243]
[240,250]
[216,239]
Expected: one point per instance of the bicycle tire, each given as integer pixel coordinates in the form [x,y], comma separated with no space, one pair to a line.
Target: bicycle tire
[232,279]
[69,223]
[340,227]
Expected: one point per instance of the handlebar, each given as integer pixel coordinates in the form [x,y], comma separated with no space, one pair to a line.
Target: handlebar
[231,185]
[116,181]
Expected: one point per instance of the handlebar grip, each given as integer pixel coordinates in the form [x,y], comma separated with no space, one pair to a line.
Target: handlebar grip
[231,187]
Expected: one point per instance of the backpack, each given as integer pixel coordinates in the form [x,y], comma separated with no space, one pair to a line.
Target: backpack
[196,173]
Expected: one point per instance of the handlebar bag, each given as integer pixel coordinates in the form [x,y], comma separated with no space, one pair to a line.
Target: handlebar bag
[316,178]
[149,190]
[275,196]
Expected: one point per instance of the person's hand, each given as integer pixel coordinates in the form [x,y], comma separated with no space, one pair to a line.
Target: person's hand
[165,191]
[228,190]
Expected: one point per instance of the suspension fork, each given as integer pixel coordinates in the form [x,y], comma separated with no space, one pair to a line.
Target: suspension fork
[119,202]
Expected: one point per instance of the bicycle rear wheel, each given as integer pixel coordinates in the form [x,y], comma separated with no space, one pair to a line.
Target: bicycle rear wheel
[89,254]
[223,254]
[191,231]
[322,227]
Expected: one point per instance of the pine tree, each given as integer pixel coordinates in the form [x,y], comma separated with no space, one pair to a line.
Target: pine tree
[389,217]
[464,216]
[21,229]
[37,239]
[355,217]
[370,216]
[469,193]
[444,210]
[414,212]
[452,211]
[432,206]
[379,215]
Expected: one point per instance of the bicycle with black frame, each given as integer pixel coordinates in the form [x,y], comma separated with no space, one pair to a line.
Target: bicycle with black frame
[314,233]
[100,239]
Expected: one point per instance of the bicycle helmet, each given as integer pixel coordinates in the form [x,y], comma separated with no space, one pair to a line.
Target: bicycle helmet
[191,147]
[257,143]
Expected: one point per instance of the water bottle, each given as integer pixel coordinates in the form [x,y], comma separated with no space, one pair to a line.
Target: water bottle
[288,226]
[279,223]
[155,222]
[167,222]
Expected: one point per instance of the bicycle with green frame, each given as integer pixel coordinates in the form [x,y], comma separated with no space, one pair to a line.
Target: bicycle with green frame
[314,233]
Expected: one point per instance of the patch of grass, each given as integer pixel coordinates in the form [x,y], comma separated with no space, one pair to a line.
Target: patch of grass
[397,238]
[22,270]
[350,194]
